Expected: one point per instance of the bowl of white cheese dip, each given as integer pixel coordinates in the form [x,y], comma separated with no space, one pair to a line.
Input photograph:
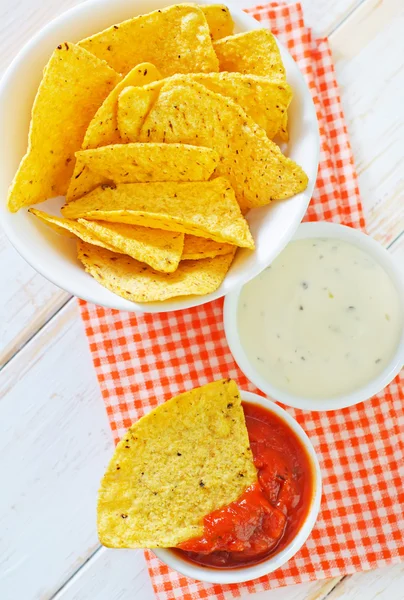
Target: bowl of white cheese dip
[322,327]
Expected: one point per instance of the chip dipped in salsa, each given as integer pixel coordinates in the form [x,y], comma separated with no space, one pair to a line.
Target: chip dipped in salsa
[269,513]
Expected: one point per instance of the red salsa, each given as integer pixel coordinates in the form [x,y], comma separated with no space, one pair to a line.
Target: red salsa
[268,514]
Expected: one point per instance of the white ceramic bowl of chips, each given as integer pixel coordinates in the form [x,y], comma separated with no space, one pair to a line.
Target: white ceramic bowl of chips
[54,256]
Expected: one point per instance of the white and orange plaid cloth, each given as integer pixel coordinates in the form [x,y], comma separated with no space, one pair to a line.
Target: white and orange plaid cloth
[143,359]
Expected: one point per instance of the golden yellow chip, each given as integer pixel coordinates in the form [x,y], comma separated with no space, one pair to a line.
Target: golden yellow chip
[252,52]
[175,39]
[196,248]
[283,132]
[70,228]
[257,170]
[103,129]
[205,209]
[133,105]
[137,163]
[219,20]
[188,457]
[265,100]
[137,282]
[74,85]
[83,181]
[161,250]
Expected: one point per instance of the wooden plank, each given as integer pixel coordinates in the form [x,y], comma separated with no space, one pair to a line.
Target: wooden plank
[368,52]
[54,446]
[27,301]
[381,584]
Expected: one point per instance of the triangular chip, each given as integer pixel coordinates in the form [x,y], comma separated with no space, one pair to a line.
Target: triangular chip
[175,39]
[161,250]
[257,169]
[84,181]
[205,209]
[137,282]
[74,85]
[133,105]
[196,248]
[137,163]
[265,100]
[70,228]
[252,52]
[103,129]
[219,20]
[188,457]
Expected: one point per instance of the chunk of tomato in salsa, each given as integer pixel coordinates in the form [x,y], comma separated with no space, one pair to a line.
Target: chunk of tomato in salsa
[268,514]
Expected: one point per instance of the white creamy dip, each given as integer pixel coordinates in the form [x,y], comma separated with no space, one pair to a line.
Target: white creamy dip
[322,320]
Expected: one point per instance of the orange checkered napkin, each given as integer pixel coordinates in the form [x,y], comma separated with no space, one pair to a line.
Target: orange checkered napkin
[141,360]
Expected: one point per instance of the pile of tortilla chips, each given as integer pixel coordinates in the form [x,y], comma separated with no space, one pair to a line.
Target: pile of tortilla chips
[188,457]
[161,133]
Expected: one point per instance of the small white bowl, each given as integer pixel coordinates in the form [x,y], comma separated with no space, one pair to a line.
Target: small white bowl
[237,575]
[386,260]
[55,257]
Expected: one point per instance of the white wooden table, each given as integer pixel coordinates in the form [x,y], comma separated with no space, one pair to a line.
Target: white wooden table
[55,439]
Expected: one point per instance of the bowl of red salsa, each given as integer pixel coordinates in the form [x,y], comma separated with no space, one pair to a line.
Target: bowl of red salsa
[271,520]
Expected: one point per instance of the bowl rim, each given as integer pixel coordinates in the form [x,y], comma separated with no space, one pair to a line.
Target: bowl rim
[318,229]
[77,288]
[239,575]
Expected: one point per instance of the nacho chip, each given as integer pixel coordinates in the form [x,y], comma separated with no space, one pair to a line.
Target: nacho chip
[161,250]
[205,209]
[151,494]
[219,20]
[84,181]
[252,52]
[103,129]
[69,228]
[138,283]
[196,248]
[265,100]
[256,168]
[137,163]
[74,85]
[283,132]
[133,106]
[175,39]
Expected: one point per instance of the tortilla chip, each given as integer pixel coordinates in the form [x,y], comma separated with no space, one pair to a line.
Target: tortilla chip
[265,100]
[137,163]
[161,250]
[137,282]
[256,168]
[84,181]
[196,248]
[252,52]
[73,86]
[175,39]
[133,106]
[283,132]
[219,20]
[186,458]
[103,129]
[70,228]
[204,208]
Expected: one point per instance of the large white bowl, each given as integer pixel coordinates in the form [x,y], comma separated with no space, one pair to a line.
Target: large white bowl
[323,229]
[237,575]
[54,256]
